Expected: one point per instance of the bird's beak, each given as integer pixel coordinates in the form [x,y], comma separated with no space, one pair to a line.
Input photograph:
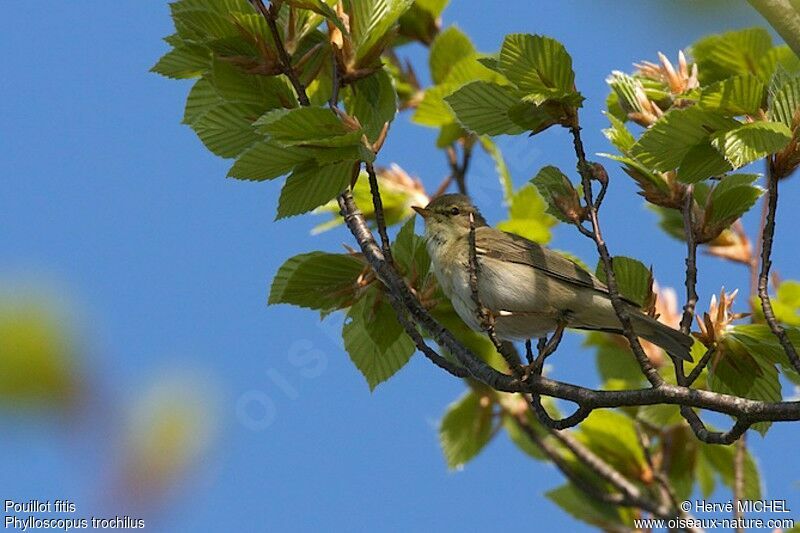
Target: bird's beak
[424,213]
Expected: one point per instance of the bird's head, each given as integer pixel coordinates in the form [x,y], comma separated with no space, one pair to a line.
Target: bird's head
[448,215]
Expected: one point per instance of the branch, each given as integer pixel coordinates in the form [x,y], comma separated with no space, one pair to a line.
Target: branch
[485,315]
[271,16]
[458,171]
[586,173]
[763,278]
[377,203]
[691,262]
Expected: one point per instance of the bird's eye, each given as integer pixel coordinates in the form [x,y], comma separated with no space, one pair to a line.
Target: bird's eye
[455,211]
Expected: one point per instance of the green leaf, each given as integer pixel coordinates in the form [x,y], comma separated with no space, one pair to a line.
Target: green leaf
[721,460]
[321,8]
[664,145]
[227,128]
[409,251]
[538,65]
[184,61]
[311,186]
[527,216]
[555,189]
[449,47]
[266,161]
[784,105]
[466,428]
[748,142]
[619,135]
[659,416]
[374,338]
[701,162]
[614,359]
[613,436]
[482,107]
[730,199]
[730,54]
[202,97]
[735,370]
[739,95]
[626,89]
[786,303]
[370,21]
[265,92]
[317,280]
[373,101]
[633,278]
[580,506]
[302,124]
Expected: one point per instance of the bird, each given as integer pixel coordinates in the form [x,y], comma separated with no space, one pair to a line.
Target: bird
[528,289]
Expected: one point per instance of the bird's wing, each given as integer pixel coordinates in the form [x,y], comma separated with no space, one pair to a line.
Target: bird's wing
[516,249]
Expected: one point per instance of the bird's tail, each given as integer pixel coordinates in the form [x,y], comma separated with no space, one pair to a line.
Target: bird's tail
[673,341]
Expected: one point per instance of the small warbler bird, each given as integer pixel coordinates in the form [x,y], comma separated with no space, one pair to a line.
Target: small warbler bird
[528,289]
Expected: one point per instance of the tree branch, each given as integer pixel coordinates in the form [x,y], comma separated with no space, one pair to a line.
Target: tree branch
[586,173]
[271,16]
[766,263]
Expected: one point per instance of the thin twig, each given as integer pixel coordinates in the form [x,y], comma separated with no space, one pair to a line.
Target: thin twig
[763,278]
[585,171]
[485,315]
[691,261]
[698,368]
[380,220]
[271,16]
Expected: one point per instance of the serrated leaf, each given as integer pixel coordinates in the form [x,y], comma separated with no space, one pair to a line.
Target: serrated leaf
[184,61]
[370,21]
[664,145]
[784,106]
[735,370]
[482,107]
[202,97]
[730,199]
[619,135]
[449,47]
[553,185]
[410,253]
[266,161]
[538,65]
[466,428]
[234,85]
[321,8]
[311,186]
[317,280]
[633,278]
[748,142]
[374,338]
[373,101]
[730,54]
[301,124]
[739,95]
[227,129]
[701,162]
[625,88]
[527,216]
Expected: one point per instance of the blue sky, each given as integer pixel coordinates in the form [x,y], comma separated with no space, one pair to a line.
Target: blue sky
[119,213]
